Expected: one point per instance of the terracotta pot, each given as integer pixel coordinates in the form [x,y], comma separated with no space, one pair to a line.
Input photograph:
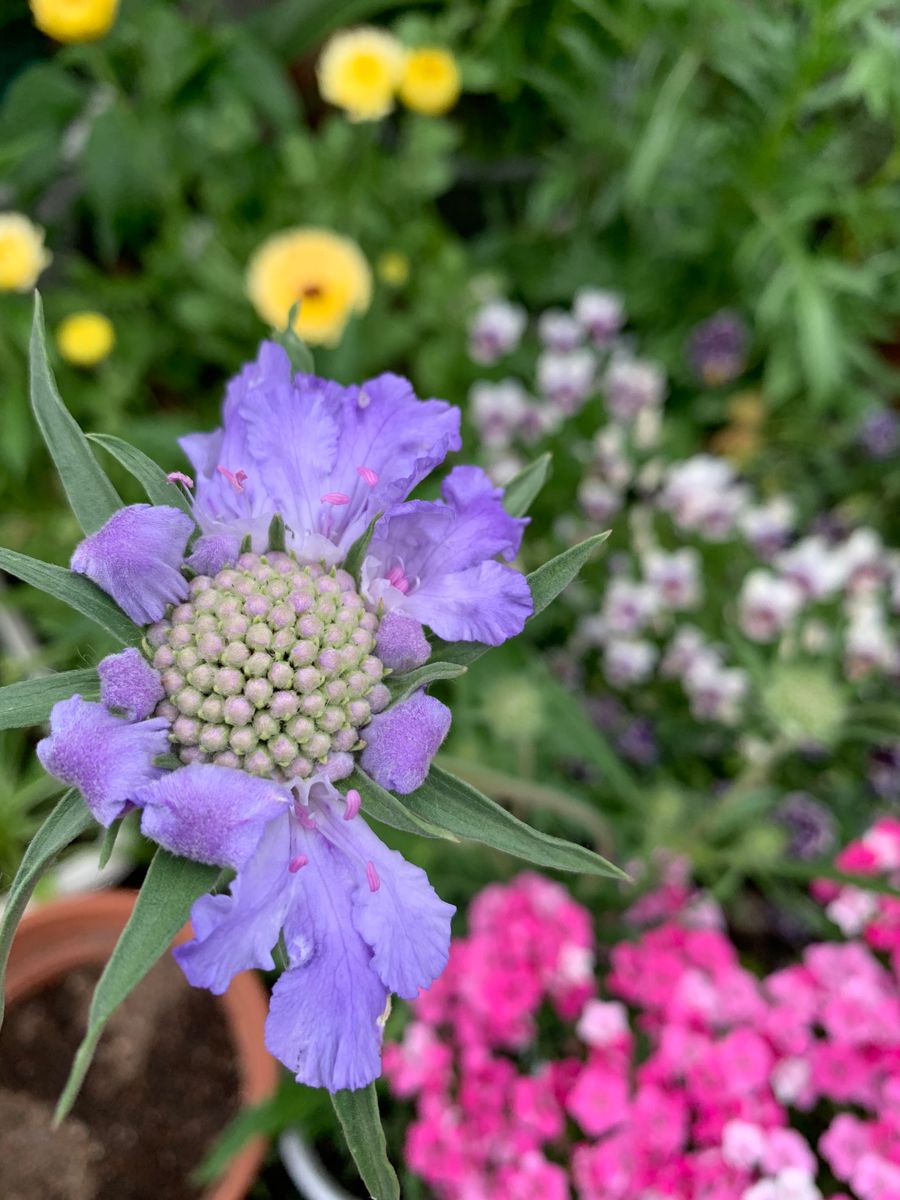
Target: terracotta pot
[82,931]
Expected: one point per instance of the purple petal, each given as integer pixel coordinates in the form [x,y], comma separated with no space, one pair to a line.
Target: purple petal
[106,757]
[223,506]
[236,932]
[129,683]
[402,741]
[325,1016]
[211,814]
[136,557]
[403,919]
[488,603]
[213,551]
[479,505]
[401,643]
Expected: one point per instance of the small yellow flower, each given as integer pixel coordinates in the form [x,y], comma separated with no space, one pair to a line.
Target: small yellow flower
[359,71]
[326,274]
[74,20]
[430,83]
[85,338]
[22,253]
[393,268]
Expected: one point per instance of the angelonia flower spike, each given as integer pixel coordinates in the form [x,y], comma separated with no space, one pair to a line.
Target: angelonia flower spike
[290,605]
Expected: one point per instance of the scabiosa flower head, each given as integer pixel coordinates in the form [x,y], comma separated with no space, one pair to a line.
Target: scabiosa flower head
[499,410]
[703,494]
[767,605]
[675,577]
[717,348]
[496,330]
[768,526]
[263,670]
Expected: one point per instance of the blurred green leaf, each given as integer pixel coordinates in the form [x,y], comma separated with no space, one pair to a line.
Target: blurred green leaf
[29,702]
[151,477]
[361,1123]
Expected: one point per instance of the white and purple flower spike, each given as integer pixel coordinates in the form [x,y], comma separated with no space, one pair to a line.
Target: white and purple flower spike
[401,742]
[435,561]
[136,558]
[106,757]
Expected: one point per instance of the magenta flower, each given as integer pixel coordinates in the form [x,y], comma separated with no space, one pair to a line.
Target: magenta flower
[264,674]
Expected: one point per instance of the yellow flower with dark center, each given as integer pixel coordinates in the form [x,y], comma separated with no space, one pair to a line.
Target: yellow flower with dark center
[22,253]
[431,82]
[359,71]
[74,20]
[393,268]
[325,274]
[85,338]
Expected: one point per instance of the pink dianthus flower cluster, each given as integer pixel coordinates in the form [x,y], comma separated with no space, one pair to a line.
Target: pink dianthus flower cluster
[688,1078]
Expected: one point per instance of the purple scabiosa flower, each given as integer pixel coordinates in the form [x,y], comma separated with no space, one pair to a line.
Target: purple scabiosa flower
[262,672]
[717,348]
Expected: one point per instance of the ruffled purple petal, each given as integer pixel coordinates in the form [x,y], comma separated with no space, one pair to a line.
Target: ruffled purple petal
[488,603]
[402,741]
[128,683]
[106,757]
[325,1016]
[237,931]
[401,918]
[213,551]
[135,557]
[401,643]
[210,814]
[231,493]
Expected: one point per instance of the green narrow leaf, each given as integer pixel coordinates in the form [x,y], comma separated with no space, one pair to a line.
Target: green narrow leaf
[75,590]
[163,905]
[464,810]
[29,702]
[91,496]
[70,818]
[546,583]
[276,533]
[403,686]
[522,490]
[361,1122]
[108,844]
[149,474]
[300,355]
[385,807]
[357,552]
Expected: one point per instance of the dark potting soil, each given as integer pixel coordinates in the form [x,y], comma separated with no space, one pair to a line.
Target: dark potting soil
[162,1085]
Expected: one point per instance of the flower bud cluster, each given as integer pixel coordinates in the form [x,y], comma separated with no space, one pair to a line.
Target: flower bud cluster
[269,667]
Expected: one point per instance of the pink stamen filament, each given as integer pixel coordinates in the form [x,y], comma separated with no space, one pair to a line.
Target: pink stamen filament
[296,863]
[372,876]
[397,578]
[354,800]
[235,478]
[335,498]
[303,816]
[180,477]
[367,474]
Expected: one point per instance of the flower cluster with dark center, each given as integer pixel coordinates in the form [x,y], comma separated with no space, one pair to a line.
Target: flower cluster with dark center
[268,667]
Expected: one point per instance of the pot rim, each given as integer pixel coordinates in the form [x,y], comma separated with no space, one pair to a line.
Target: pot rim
[81,930]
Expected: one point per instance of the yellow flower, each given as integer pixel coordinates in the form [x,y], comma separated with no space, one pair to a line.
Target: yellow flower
[326,274]
[74,20]
[430,83]
[393,268]
[22,253]
[85,338]
[359,71]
